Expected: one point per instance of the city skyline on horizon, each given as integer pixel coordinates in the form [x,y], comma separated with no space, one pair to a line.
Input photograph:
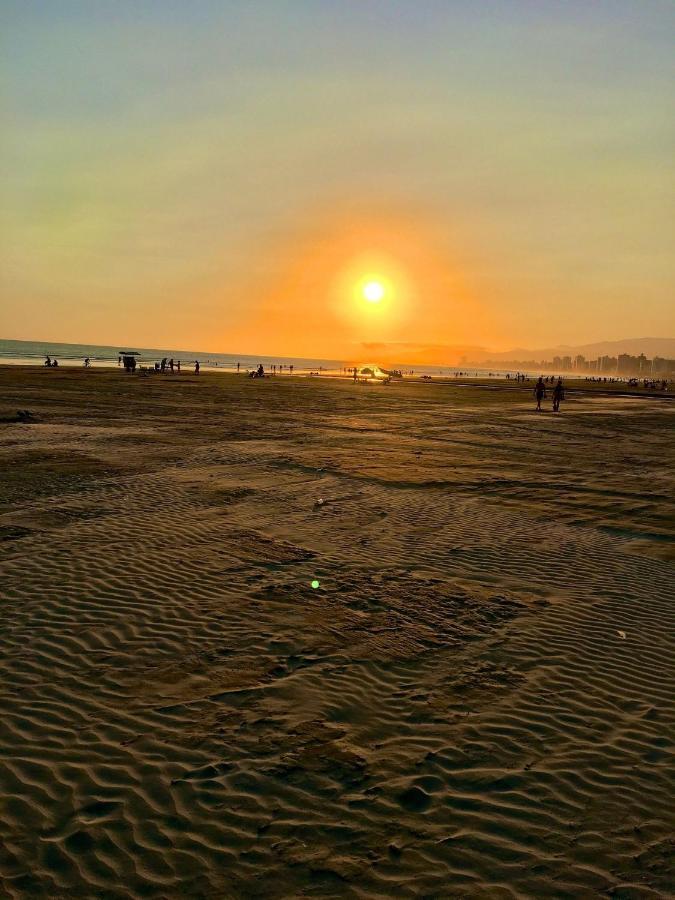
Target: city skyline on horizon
[607,354]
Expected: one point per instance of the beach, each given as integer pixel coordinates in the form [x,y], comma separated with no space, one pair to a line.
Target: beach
[299,637]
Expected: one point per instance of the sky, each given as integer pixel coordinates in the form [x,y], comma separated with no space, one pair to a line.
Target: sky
[228,175]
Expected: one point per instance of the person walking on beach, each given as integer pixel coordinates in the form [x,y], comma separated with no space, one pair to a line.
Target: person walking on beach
[87,363]
[196,367]
[558,395]
[539,392]
[171,365]
[48,362]
[178,366]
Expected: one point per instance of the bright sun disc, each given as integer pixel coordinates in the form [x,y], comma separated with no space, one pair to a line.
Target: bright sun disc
[373,291]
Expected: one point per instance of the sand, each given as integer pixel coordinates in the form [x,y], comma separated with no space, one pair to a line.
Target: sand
[478,700]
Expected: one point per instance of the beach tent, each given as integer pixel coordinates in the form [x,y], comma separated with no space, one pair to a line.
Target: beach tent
[129,360]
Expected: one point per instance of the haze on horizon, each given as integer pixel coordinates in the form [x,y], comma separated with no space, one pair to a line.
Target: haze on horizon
[229,175]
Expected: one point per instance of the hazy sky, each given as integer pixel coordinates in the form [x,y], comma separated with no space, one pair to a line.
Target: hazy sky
[224,175]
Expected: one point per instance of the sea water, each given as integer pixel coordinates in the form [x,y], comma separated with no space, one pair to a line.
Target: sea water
[35,352]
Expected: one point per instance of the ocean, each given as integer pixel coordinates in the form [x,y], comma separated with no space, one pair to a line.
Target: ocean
[34,353]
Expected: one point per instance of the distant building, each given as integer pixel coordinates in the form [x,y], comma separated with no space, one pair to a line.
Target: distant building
[661,366]
[627,364]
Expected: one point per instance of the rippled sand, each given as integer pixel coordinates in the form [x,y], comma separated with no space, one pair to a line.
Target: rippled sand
[477,700]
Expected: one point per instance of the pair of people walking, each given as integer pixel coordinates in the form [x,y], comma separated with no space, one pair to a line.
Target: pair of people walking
[540,393]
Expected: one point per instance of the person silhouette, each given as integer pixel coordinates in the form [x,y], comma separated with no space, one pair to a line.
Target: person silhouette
[539,392]
[558,395]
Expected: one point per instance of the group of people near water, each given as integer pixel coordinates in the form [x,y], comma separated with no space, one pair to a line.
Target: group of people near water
[650,384]
[259,371]
[165,365]
[174,366]
[162,366]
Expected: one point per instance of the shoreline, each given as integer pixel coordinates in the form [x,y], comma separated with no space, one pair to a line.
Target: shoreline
[573,384]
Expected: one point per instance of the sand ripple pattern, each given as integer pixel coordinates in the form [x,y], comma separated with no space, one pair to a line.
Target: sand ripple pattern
[478,700]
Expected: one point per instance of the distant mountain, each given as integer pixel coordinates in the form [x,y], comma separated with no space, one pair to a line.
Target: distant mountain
[651,347]
[410,353]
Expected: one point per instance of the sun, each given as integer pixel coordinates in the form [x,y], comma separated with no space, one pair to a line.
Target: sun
[373,291]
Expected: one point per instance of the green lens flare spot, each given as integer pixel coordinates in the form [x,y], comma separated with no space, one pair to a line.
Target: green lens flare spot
[315,584]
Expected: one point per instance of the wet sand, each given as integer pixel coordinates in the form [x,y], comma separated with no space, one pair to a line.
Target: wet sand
[476,701]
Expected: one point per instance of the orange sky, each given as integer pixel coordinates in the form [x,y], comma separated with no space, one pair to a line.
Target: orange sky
[224,177]
[307,292]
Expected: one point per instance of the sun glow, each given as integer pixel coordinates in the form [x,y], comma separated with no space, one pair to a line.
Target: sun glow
[373,291]
[318,282]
